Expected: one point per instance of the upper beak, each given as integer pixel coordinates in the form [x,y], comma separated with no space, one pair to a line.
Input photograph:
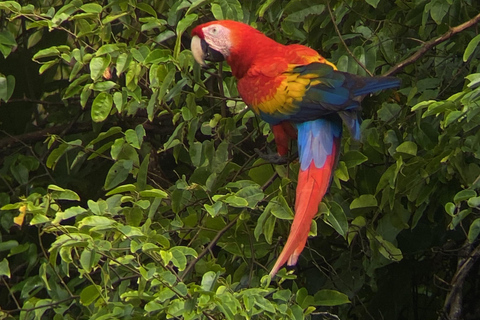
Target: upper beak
[198,51]
[201,51]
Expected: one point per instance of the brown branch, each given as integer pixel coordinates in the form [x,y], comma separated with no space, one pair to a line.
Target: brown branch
[453,301]
[50,305]
[36,101]
[208,248]
[40,135]
[432,43]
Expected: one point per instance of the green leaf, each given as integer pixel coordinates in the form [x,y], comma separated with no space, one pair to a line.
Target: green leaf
[208,281]
[474,79]
[132,138]
[264,7]
[342,171]
[90,294]
[474,202]
[34,38]
[8,245]
[133,216]
[10,5]
[472,45]
[103,86]
[264,304]
[450,208]
[464,195]
[337,219]
[101,106]
[456,219]
[39,219]
[113,17]
[45,53]
[329,298]
[388,250]
[438,10]
[122,189]
[454,115]
[123,61]
[7,86]
[388,178]
[92,8]
[4,268]
[118,173]
[7,38]
[182,25]
[97,222]
[364,201]
[68,213]
[281,209]
[474,230]
[389,111]
[373,3]
[98,66]
[71,240]
[227,9]
[234,201]
[407,147]
[65,195]
[153,193]
[178,256]
[87,260]
[104,135]
[354,158]
[252,194]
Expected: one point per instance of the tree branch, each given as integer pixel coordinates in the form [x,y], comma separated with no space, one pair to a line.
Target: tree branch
[208,248]
[432,43]
[453,301]
[41,134]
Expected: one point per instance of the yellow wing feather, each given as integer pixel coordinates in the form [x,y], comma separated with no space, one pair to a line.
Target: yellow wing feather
[291,89]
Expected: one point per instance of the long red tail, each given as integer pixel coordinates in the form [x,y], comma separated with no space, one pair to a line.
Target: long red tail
[313,183]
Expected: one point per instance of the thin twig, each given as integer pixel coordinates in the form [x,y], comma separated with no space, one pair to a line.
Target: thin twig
[42,306]
[11,293]
[343,41]
[209,247]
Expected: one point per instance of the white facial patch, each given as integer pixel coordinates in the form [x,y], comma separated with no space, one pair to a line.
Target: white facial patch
[218,38]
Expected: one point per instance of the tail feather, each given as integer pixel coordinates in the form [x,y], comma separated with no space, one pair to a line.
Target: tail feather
[374,84]
[313,182]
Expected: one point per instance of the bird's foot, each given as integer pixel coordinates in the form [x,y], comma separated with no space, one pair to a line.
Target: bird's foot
[274,158]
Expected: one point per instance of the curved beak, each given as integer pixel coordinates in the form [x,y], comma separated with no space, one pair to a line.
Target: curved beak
[201,51]
[198,51]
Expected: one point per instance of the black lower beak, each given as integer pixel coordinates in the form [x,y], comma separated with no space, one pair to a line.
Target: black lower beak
[211,54]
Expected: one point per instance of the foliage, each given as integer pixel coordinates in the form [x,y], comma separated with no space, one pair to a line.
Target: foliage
[146,198]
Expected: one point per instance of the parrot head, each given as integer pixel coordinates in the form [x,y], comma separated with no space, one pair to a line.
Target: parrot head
[227,40]
[210,41]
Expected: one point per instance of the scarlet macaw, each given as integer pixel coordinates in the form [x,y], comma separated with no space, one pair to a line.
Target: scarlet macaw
[285,85]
